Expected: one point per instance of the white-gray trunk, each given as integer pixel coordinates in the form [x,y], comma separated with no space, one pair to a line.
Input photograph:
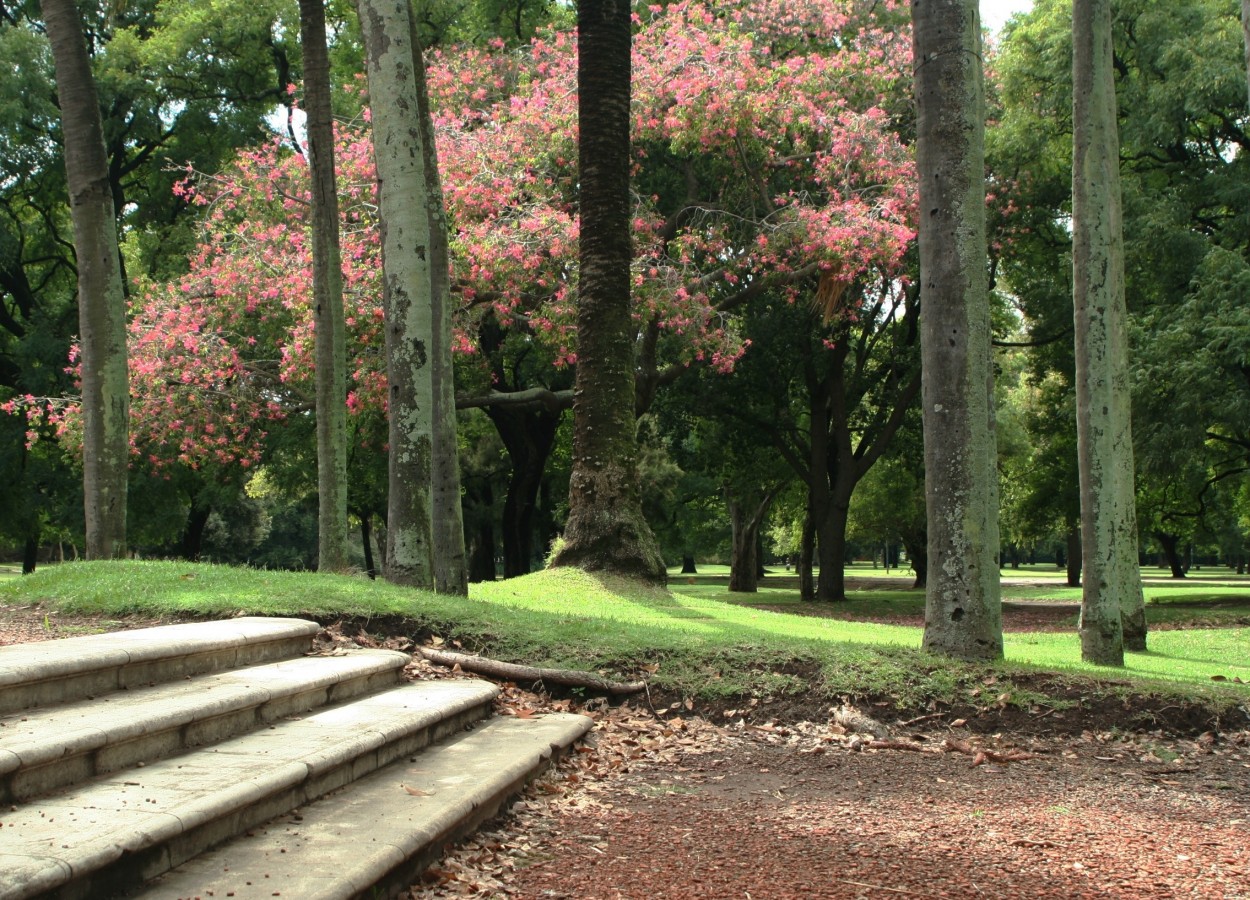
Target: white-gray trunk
[329,329]
[963,608]
[1111,594]
[101,294]
[392,61]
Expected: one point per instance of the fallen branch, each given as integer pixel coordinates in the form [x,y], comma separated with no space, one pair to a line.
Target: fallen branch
[980,755]
[897,745]
[513,672]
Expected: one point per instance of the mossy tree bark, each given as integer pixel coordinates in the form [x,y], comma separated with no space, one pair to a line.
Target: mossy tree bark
[1112,608]
[329,329]
[606,530]
[425,532]
[963,607]
[101,293]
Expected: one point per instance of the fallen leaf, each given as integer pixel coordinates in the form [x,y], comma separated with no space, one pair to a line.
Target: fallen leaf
[416,792]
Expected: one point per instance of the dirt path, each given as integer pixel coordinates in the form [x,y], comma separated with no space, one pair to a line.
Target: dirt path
[692,810]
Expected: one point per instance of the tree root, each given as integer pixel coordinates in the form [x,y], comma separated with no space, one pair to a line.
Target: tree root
[980,755]
[513,672]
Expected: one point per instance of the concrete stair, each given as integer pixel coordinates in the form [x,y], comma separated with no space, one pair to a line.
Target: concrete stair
[217,760]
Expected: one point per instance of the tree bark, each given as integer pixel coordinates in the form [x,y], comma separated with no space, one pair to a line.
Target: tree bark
[1073,557]
[101,292]
[807,553]
[606,529]
[963,606]
[1245,34]
[1171,551]
[528,436]
[687,565]
[366,540]
[328,327]
[1111,596]
[425,531]
[30,555]
[745,518]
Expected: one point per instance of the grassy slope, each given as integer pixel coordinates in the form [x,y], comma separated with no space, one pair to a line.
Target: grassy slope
[705,647]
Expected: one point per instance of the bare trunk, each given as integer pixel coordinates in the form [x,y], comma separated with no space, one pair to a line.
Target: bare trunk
[807,554]
[425,532]
[1245,34]
[963,607]
[101,295]
[687,565]
[1171,551]
[606,529]
[746,516]
[528,437]
[1111,595]
[366,540]
[328,327]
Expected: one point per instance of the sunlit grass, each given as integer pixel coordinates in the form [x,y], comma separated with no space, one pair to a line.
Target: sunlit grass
[704,645]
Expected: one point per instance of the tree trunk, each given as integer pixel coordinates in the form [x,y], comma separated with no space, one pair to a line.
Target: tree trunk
[30,555]
[528,437]
[807,553]
[746,516]
[425,532]
[328,327]
[192,543]
[1171,551]
[687,565]
[831,541]
[366,540]
[101,294]
[606,529]
[1245,34]
[482,554]
[1111,596]
[963,606]
[1073,557]
[918,553]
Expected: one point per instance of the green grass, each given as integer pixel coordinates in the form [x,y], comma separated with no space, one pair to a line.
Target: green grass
[703,646]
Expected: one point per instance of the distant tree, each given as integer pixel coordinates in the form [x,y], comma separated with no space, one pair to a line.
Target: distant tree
[963,608]
[606,530]
[101,295]
[425,533]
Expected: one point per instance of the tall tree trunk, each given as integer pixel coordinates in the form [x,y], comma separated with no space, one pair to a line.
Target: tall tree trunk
[1073,558]
[192,543]
[963,600]
[963,604]
[831,542]
[606,529]
[425,531]
[1111,597]
[101,292]
[688,566]
[918,553]
[328,327]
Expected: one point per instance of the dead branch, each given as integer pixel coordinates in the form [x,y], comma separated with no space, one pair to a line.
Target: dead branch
[513,672]
[980,755]
[897,745]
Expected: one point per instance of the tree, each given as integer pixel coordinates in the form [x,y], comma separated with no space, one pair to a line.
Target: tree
[101,296]
[331,370]
[425,534]
[1112,612]
[606,530]
[963,607]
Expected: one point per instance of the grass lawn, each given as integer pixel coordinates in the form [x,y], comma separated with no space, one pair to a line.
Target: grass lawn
[700,642]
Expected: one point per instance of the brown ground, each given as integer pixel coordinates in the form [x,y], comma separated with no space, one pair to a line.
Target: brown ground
[663,803]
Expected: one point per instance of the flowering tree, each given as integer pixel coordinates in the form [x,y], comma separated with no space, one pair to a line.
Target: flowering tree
[766,162]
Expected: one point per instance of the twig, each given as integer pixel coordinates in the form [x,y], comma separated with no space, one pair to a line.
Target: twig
[880,887]
[513,672]
[911,722]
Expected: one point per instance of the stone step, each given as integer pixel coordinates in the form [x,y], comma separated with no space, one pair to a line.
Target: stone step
[47,748]
[119,830]
[380,832]
[78,668]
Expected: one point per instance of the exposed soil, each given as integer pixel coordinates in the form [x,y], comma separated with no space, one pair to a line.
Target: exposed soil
[779,801]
